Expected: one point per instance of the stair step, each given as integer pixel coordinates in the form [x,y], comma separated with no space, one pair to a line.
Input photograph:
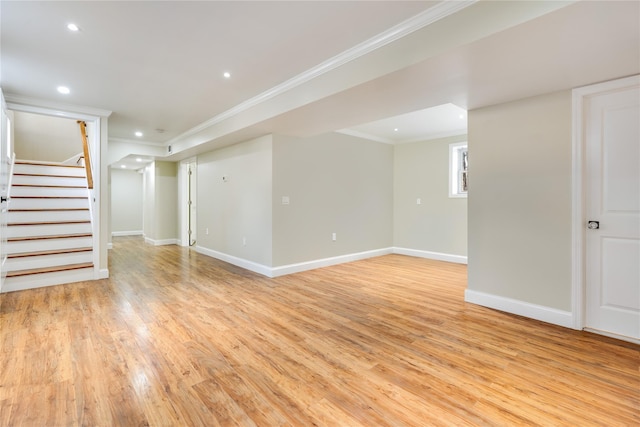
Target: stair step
[48,203]
[49,269]
[60,180]
[45,184]
[48,191]
[44,215]
[31,168]
[33,261]
[49,252]
[70,221]
[60,236]
[57,277]
[50,243]
[43,163]
[43,230]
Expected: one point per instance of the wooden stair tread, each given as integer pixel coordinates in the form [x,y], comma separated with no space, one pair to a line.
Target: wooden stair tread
[56,269]
[14,224]
[36,163]
[47,186]
[48,175]
[50,252]
[49,197]
[48,210]
[55,236]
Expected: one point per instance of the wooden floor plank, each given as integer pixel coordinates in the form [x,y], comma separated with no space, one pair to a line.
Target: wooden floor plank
[178,338]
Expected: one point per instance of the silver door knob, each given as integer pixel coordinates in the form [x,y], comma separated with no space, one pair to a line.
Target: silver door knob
[593,225]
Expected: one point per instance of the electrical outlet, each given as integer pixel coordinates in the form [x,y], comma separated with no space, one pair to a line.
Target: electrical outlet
[244,241]
[418,201]
[206,231]
[334,237]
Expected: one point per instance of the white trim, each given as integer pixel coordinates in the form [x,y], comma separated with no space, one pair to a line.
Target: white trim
[56,109]
[578,210]
[415,23]
[521,308]
[326,262]
[439,256]
[126,233]
[162,242]
[103,273]
[109,246]
[240,262]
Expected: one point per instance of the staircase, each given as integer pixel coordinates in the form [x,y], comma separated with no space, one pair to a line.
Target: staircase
[49,230]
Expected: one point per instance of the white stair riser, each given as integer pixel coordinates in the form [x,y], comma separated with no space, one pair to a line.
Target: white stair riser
[47,279]
[47,216]
[47,230]
[49,245]
[48,170]
[42,261]
[48,180]
[48,192]
[29,203]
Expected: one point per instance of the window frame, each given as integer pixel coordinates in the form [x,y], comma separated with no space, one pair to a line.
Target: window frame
[458,169]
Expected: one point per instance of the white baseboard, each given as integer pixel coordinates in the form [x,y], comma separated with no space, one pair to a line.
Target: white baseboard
[521,308]
[326,262]
[103,273]
[240,262]
[126,233]
[439,256]
[161,242]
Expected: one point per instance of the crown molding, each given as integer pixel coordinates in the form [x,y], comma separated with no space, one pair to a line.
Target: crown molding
[51,108]
[415,23]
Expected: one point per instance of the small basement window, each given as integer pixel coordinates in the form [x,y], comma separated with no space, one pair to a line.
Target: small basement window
[458,163]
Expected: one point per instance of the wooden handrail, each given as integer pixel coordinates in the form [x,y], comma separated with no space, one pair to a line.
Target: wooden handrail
[85,148]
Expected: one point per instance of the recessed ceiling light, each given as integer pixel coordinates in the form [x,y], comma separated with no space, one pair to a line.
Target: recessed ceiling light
[63,89]
[461,116]
[227,75]
[123,166]
[73,27]
[138,159]
[396,130]
[138,133]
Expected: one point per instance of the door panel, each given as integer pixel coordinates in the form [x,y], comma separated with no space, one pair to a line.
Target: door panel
[612,154]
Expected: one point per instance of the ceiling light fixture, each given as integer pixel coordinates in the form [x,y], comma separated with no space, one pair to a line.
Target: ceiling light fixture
[64,90]
[73,27]
[123,166]
[461,116]
[227,75]
[138,133]
[138,159]
[396,130]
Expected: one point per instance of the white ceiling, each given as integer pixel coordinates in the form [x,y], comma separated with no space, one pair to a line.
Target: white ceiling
[435,122]
[303,68]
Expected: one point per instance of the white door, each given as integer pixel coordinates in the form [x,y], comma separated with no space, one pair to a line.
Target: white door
[612,192]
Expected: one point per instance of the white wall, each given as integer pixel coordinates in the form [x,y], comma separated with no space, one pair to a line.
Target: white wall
[240,207]
[439,223]
[520,200]
[336,183]
[160,210]
[45,138]
[126,202]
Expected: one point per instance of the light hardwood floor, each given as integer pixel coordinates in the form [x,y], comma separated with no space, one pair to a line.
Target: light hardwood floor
[175,338]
